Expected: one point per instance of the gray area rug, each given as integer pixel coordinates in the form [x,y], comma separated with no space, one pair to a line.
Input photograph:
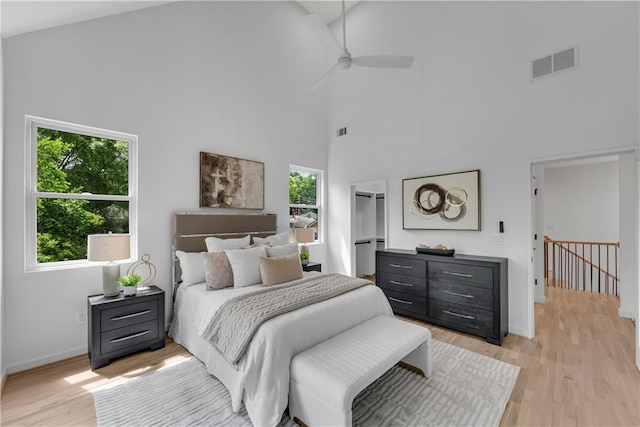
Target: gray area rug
[465,389]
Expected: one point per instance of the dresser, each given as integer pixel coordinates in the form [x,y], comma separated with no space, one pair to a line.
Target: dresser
[464,292]
[122,325]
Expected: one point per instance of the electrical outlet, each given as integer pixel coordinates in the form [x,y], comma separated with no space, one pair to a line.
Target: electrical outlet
[81,318]
[498,239]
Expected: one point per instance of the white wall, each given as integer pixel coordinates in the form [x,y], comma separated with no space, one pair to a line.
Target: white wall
[628,262]
[581,202]
[468,103]
[2,358]
[228,78]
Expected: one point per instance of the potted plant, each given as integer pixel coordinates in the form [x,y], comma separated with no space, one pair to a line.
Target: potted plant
[304,258]
[129,284]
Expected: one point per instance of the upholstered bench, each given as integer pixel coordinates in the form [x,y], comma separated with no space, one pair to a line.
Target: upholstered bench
[327,377]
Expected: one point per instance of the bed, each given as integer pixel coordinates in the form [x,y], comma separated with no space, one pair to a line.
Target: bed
[260,379]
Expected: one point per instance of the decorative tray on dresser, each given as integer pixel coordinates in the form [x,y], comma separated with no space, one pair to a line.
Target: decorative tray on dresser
[464,292]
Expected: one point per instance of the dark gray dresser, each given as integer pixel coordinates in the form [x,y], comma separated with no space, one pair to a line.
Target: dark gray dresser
[122,325]
[464,292]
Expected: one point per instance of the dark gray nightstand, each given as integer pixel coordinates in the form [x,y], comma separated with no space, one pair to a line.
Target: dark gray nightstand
[312,266]
[122,325]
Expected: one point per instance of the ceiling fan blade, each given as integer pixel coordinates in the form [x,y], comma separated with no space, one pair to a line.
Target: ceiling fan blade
[383,61]
[333,70]
[329,39]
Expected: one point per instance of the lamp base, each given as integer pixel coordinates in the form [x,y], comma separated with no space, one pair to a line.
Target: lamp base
[110,276]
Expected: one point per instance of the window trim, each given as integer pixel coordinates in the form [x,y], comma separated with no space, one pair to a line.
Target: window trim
[319,199]
[32,123]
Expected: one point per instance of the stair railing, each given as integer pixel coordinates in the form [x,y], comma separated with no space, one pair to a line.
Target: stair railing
[585,266]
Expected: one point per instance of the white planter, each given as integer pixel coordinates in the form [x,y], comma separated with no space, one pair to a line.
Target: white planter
[129,291]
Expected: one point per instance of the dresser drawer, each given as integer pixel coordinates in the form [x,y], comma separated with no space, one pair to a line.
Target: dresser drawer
[128,336]
[129,314]
[471,296]
[460,273]
[399,283]
[403,266]
[469,319]
[404,302]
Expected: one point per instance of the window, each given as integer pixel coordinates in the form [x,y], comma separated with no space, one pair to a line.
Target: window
[305,199]
[80,181]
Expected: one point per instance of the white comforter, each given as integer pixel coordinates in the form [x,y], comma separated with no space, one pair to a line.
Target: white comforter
[264,369]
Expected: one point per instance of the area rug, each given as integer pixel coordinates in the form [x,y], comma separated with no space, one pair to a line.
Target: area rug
[465,389]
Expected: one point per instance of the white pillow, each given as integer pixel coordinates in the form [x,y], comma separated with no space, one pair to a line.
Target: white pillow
[192,267]
[283,250]
[245,264]
[275,240]
[215,244]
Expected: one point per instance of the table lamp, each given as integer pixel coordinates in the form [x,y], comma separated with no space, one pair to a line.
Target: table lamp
[110,248]
[305,235]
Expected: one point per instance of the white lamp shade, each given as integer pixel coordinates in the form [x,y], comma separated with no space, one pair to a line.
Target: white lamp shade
[305,235]
[108,247]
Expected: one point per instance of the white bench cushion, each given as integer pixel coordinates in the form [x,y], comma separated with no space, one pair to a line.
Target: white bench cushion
[336,370]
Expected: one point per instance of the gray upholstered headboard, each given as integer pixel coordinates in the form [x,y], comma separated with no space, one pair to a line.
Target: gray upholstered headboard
[190,229]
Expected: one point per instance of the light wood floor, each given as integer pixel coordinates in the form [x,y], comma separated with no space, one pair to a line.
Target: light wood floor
[579,370]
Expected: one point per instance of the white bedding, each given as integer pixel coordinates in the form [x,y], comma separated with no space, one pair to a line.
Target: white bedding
[261,379]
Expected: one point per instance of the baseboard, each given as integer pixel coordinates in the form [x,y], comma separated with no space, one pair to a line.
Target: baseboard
[540,300]
[3,381]
[520,332]
[34,363]
[638,358]
[627,314]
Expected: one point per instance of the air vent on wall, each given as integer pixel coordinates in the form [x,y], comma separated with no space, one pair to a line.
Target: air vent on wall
[342,131]
[554,63]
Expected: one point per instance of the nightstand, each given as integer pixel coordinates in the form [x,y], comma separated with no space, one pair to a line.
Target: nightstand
[122,325]
[312,266]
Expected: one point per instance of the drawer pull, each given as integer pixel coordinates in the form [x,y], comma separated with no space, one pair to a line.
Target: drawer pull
[128,316]
[457,294]
[401,266]
[128,337]
[458,315]
[400,300]
[400,283]
[458,274]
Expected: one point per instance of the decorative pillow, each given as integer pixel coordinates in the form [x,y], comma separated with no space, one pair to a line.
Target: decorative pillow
[288,249]
[217,270]
[191,266]
[280,269]
[275,240]
[215,244]
[245,264]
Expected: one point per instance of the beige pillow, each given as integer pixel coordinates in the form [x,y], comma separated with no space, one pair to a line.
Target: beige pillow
[280,269]
[217,270]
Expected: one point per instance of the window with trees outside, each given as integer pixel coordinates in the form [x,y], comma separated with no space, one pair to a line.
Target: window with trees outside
[305,194]
[80,181]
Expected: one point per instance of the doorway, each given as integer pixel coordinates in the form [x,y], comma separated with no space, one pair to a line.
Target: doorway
[545,175]
[368,225]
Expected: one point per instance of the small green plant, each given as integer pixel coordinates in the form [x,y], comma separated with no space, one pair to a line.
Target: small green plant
[304,256]
[130,280]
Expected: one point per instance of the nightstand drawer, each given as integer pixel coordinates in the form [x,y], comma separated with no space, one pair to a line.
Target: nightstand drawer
[471,296]
[403,266]
[130,314]
[461,273]
[465,318]
[407,284]
[129,336]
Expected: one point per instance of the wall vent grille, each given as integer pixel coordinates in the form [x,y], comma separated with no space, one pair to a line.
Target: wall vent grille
[554,63]
[342,131]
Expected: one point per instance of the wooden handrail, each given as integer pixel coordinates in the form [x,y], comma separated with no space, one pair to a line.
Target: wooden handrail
[580,242]
[588,261]
[582,271]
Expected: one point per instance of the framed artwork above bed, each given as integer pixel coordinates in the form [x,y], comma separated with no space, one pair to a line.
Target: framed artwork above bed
[442,202]
[229,182]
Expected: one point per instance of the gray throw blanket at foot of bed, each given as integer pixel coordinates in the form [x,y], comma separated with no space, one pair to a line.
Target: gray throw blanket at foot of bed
[237,320]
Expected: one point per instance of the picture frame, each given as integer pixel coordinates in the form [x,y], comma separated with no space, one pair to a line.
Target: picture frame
[442,202]
[230,182]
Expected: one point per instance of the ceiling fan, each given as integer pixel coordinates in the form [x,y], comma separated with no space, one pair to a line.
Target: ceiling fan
[345,61]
